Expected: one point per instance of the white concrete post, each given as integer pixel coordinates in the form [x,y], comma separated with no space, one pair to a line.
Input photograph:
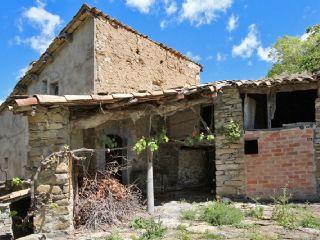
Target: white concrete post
[150,190]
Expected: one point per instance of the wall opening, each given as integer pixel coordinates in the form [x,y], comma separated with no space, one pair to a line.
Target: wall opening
[251,147]
[54,88]
[115,153]
[206,113]
[255,111]
[294,107]
[18,211]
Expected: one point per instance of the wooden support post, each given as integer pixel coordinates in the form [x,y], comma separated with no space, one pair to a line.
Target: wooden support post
[150,190]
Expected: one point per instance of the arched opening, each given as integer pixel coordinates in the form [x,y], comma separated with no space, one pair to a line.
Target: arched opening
[115,154]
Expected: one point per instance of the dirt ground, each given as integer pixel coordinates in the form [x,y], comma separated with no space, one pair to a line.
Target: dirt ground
[176,228]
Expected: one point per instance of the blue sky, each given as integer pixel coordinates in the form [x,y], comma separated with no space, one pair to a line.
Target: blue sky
[230,38]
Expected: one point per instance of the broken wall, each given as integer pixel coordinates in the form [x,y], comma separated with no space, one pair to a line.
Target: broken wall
[127,62]
[285,158]
[49,132]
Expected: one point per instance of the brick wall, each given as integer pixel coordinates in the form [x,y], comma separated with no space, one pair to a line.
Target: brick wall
[317,142]
[285,158]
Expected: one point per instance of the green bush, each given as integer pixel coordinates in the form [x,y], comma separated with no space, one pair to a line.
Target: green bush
[310,221]
[114,237]
[207,235]
[218,213]
[256,212]
[154,229]
[188,215]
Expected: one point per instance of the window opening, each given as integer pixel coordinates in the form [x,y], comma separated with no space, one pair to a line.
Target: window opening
[251,147]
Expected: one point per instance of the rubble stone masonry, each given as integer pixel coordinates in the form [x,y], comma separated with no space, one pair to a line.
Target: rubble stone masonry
[48,133]
[127,62]
[285,159]
[230,170]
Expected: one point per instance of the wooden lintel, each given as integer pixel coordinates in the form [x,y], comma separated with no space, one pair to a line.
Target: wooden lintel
[96,119]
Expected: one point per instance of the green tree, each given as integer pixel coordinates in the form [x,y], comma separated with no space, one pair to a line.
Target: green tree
[296,55]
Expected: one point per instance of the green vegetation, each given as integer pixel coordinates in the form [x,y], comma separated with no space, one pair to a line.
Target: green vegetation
[256,212]
[256,235]
[114,237]
[188,214]
[295,55]
[153,229]
[200,138]
[13,213]
[310,221]
[16,182]
[232,131]
[218,213]
[53,205]
[153,143]
[207,235]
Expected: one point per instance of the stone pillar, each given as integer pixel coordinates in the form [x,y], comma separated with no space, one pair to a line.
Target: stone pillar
[48,133]
[317,144]
[230,167]
[5,221]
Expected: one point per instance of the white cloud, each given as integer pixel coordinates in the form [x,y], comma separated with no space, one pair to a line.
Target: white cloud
[163,24]
[232,23]
[193,56]
[264,54]
[142,5]
[220,57]
[248,45]
[22,71]
[42,20]
[201,12]
[170,7]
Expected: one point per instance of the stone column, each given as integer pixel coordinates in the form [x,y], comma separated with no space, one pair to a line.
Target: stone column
[230,167]
[48,133]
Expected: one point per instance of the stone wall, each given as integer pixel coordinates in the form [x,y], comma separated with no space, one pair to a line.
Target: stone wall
[230,169]
[285,159]
[317,144]
[48,133]
[127,62]
[5,221]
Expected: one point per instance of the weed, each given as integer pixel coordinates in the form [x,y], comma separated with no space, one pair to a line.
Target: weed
[218,213]
[154,229]
[114,237]
[140,223]
[189,215]
[283,212]
[16,182]
[310,221]
[13,213]
[256,212]
[207,235]
[183,233]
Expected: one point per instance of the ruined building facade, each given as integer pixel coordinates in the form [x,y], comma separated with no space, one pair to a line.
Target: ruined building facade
[100,78]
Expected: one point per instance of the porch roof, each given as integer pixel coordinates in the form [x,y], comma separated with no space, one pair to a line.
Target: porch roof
[114,100]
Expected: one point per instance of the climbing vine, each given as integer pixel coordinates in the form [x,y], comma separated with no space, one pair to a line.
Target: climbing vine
[233,131]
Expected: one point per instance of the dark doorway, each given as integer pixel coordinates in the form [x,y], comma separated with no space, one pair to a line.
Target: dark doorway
[115,154]
[18,211]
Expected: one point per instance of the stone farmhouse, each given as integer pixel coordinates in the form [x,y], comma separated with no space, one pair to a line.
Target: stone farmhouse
[100,78]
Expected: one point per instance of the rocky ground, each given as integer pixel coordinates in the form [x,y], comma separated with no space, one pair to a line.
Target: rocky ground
[251,227]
